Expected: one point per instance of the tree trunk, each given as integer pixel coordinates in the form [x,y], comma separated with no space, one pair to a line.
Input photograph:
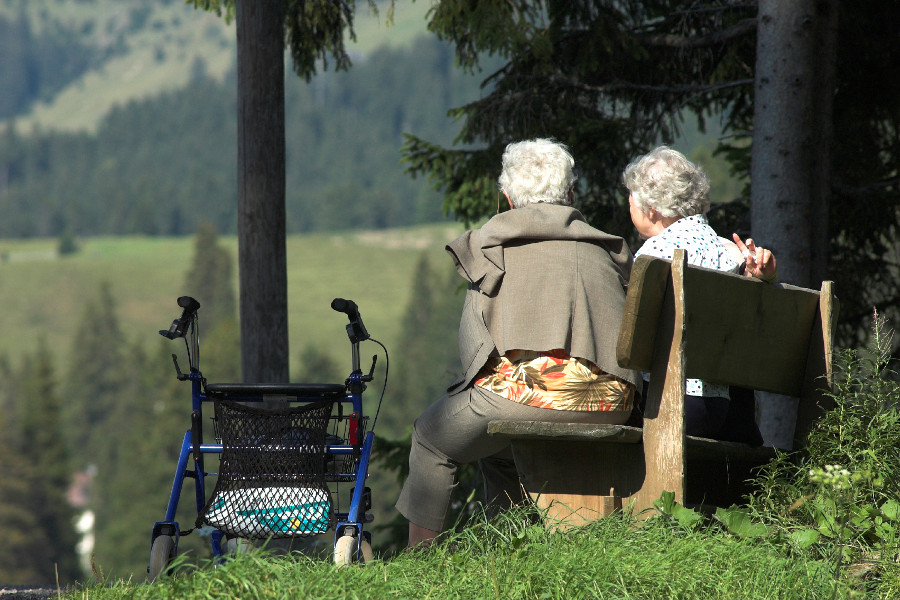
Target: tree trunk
[261,212]
[791,156]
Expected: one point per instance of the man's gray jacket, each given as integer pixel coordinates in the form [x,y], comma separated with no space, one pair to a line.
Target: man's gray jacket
[540,278]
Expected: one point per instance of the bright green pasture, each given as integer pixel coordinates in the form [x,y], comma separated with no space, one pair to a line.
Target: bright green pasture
[614,559]
[44,295]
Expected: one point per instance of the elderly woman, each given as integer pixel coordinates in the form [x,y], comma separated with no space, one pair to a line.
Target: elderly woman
[669,199]
[665,187]
[537,335]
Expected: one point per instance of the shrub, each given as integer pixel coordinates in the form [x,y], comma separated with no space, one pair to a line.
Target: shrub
[840,496]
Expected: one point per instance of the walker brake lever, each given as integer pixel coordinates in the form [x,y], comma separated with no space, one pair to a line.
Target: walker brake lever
[181,376]
[370,376]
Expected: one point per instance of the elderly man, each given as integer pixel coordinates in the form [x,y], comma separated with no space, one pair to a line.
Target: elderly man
[537,335]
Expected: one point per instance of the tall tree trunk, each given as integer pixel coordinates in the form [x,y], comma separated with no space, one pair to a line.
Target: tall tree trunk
[261,182]
[791,157]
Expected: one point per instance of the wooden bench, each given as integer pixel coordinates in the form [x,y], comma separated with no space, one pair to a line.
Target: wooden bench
[682,322]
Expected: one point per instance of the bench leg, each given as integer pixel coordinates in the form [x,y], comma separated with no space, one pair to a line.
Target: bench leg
[578,482]
[564,511]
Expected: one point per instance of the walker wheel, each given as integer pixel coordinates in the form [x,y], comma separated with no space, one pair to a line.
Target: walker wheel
[345,550]
[162,551]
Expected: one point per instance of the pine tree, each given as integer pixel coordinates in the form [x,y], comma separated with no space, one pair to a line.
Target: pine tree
[609,79]
[23,536]
[412,352]
[133,493]
[428,355]
[95,384]
[137,461]
[221,351]
[614,79]
[42,433]
[18,487]
[210,278]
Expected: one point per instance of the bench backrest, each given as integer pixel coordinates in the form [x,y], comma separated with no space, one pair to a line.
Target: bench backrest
[738,330]
[684,321]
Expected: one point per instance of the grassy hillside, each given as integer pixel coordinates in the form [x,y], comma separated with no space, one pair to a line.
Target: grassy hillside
[44,295]
[155,47]
[612,559]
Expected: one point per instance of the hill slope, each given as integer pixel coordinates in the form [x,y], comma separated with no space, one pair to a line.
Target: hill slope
[144,48]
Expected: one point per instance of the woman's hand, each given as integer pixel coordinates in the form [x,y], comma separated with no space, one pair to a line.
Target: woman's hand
[758,261]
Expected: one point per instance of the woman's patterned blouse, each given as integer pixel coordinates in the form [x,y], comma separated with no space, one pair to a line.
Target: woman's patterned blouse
[704,249]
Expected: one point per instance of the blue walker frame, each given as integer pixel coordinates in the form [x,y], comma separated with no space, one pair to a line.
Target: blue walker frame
[358,441]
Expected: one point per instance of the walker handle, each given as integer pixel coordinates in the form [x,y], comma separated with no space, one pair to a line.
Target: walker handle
[356,330]
[179,326]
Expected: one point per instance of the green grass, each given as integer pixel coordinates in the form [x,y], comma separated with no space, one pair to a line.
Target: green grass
[44,295]
[615,558]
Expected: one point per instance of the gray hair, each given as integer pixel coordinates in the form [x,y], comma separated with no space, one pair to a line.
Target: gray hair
[667,182]
[538,170]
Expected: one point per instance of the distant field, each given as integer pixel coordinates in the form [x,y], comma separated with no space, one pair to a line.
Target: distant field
[43,295]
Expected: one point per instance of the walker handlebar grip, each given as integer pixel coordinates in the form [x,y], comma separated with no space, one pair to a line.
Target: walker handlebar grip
[188,304]
[347,307]
[180,325]
[356,330]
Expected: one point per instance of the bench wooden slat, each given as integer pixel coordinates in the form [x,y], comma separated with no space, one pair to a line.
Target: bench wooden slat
[643,305]
[575,432]
[739,331]
[698,447]
[622,434]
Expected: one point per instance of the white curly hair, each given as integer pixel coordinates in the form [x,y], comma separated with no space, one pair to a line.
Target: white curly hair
[538,170]
[666,181]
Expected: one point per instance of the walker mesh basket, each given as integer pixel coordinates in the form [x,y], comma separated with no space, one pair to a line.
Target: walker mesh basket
[271,480]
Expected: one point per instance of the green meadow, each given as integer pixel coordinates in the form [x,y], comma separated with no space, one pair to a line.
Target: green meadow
[44,294]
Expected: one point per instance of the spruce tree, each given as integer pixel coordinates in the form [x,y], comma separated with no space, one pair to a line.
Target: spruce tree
[95,383]
[132,496]
[412,351]
[18,487]
[210,278]
[315,366]
[427,354]
[614,79]
[42,432]
[24,538]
